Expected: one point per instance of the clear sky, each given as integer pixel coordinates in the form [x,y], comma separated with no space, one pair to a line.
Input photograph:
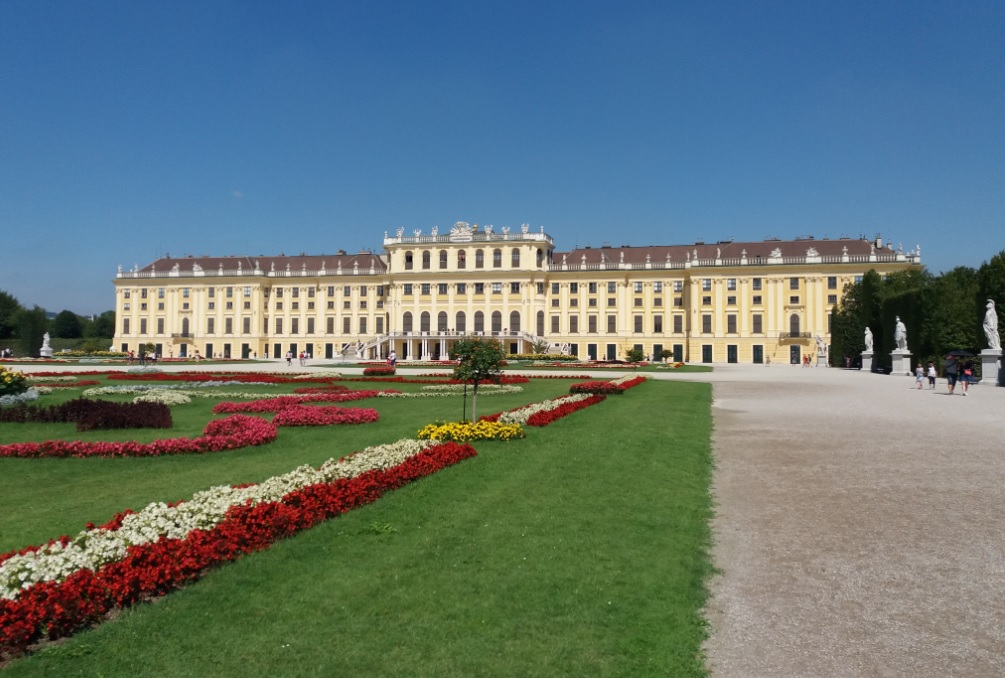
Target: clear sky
[130,130]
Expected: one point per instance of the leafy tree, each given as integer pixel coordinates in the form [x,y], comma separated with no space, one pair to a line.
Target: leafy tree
[67,325]
[634,355]
[31,326]
[479,360]
[102,327]
[9,308]
[955,317]
[666,354]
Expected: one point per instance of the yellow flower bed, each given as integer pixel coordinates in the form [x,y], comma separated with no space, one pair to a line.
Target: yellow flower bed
[12,383]
[466,431]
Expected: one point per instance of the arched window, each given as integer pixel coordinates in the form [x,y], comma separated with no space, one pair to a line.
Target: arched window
[496,258]
[460,324]
[479,259]
[540,257]
[479,321]
[406,322]
[462,259]
[424,322]
[443,258]
[514,321]
[496,321]
[441,321]
[515,258]
[794,324]
[425,259]
[408,261]
[540,321]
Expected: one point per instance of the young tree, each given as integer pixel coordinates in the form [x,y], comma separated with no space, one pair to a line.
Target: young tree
[634,355]
[479,360]
[666,354]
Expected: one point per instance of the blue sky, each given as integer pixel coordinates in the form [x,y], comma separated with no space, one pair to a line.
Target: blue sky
[129,130]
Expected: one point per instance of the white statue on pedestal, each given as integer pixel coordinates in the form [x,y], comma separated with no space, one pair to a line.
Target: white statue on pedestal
[868,340]
[900,335]
[991,327]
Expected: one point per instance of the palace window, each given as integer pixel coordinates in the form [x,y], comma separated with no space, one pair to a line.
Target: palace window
[592,302]
[573,302]
[408,261]
[592,288]
[794,283]
[638,287]
[346,291]
[514,288]
[211,326]
[658,324]
[496,258]
[706,301]
[425,289]
[462,259]
[574,288]
[731,301]
[160,292]
[125,326]
[706,284]
[658,286]
[612,324]
[331,290]
[246,325]
[638,324]
[462,288]
[730,323]
[591,324]
[554,288]
[678,285]
[793,300]
[408,289]
[832,298]
[330,325]
[755,283]
[678,324]
[755,322]
[347,325]
[441,288]
[425,260]
[573,324]
[479,288]
[294,325]
[496,288]
[229,290]
[730,283]
[310,326]
[706,323]
[832,282]
[443,259]
[638,302]
[757,299]
[247,292]
[479,259]
[347,305]
[515,258]
[554,324]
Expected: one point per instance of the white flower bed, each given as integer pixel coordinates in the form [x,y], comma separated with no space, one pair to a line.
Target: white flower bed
[524,413]
[185,390]
[483,389]
[453,390]
[26,397]
[91,549]
[35,377]
[168,398]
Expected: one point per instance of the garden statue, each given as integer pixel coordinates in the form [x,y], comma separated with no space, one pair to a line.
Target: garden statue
[46,350]
[45,340]
[868,340]
[900,335]
[991,327]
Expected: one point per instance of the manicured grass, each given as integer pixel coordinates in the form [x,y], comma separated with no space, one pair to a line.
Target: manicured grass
[581,550]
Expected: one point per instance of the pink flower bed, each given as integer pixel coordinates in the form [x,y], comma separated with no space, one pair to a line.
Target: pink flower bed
[222,434]
[304,415]
[55,609]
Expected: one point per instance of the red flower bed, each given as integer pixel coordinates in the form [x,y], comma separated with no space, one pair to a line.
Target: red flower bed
[304,415]
[321,389]
[53,610]
[378,371]
[563,410]
[280,403]
[222,434]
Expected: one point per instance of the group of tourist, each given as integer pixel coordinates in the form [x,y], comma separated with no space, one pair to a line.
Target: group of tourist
[6,353]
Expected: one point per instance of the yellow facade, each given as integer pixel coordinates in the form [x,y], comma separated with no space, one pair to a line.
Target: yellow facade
[722,302]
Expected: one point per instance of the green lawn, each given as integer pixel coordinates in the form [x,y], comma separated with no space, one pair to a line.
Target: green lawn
[581,550]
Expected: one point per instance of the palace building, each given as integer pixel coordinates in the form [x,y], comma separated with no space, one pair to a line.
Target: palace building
[746,302]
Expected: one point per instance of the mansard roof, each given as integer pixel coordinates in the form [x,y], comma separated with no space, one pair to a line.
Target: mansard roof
[188,265]
[725,250]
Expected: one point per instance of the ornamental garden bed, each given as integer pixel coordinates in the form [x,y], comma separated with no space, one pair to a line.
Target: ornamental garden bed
[430,559]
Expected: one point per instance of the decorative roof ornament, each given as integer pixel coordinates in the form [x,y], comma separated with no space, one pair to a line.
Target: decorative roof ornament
[505,230]
[461,228]
[196,268]
[648,258]
[718,253]
[272,266]
[435,230]
[176,268]
[584,258]
[812,252]
[621,259]
[525,228]
[695,252]
[287,267]
[304,268]
[417,232]
[668,257]
[401,231]
[776,253]
[488,229]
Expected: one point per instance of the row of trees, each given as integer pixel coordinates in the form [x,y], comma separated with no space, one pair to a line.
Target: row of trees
[22,329]
[941,313]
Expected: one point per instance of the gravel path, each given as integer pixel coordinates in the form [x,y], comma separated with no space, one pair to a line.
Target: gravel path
[859,526]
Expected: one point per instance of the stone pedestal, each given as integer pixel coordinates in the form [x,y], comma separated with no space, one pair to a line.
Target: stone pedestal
[901,362]
[45,352]
[991,367]
[867,361]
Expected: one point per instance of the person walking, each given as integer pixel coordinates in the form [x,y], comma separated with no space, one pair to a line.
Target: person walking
[968,375]
[952,371]
[919,376]
[931,375]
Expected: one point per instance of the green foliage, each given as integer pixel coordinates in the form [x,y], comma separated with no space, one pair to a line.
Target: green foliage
[66,325]
[634,355]
[102,327]
[540,346]
[666,354]
[9,309]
